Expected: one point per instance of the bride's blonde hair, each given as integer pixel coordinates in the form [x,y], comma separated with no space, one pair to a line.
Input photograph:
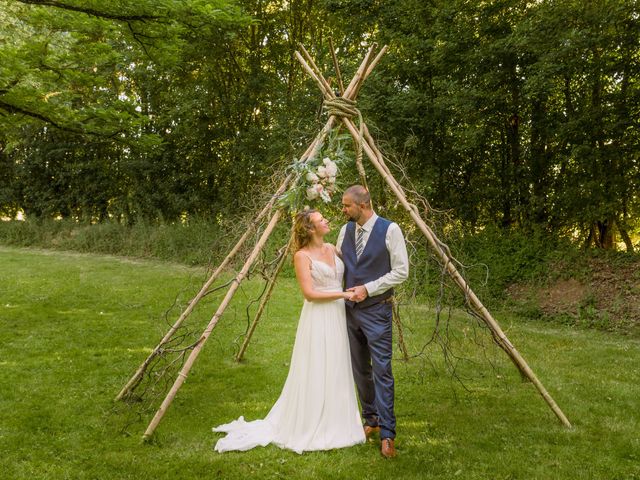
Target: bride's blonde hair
[302,228]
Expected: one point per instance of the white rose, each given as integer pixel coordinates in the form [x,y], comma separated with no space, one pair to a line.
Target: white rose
[331,169]
[325,196]
[312,193]
[331,180]
[326,160]
[312,177]
[319,188]
[322,172]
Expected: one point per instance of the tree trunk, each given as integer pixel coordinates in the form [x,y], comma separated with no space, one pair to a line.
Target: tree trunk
[602,234]
[505,181]
[539,165]
[625,238]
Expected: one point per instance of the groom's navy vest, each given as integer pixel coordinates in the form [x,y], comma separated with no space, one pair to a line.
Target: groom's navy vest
[374,262]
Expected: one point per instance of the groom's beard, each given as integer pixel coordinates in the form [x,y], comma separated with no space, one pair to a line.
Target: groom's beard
[351,218]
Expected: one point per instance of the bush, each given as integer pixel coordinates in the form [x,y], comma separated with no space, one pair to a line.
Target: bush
[515,256]
[194,243]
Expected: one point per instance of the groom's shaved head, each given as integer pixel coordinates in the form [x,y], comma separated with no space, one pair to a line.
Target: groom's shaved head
[356,204]
[359,195]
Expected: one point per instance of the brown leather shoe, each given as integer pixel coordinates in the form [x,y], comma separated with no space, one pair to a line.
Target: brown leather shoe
[387,448]
[369,431]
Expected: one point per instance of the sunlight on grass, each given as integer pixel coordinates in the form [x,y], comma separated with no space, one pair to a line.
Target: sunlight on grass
[68,346]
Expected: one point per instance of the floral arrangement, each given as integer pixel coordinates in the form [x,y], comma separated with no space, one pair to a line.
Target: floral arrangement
[322,181]
[318,174]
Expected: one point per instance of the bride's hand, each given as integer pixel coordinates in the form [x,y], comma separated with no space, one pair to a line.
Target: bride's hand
[348,296]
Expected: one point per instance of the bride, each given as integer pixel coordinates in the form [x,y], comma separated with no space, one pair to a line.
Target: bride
[317,409]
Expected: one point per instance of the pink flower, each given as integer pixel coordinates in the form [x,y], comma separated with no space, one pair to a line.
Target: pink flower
[322,172]
[312,193]
[325,196]
[331,169]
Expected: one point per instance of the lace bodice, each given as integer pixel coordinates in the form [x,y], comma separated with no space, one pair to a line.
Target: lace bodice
[325,278]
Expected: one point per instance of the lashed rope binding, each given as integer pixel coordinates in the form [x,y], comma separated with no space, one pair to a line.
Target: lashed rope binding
[345,107]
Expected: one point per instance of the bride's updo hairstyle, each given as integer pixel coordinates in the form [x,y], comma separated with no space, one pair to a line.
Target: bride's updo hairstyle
[302,228]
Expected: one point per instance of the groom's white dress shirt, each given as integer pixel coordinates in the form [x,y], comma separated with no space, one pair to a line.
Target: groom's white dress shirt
[398,256]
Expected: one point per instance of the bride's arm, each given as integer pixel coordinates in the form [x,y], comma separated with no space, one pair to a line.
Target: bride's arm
[303,274]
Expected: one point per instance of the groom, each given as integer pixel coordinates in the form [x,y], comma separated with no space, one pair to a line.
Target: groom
[375,258]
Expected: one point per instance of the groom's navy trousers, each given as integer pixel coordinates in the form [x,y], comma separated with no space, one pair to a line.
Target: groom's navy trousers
[370,328]
[370,341]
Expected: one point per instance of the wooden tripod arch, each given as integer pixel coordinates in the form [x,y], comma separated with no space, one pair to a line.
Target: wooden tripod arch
[376,159]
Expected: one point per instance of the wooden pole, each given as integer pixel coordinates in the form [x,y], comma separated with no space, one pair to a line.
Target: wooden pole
[182,376]
[310,152]
[498,335]
[336,66]
[137,376]
[314,68]
[501,339]
[353,87]
[272,280]
[363,71]
[375,61]
[265,299]
[360,78]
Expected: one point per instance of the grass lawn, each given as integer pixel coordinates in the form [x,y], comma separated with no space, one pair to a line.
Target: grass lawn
[74,327]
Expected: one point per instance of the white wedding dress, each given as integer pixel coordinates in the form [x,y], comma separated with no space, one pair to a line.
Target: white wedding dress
[317,409]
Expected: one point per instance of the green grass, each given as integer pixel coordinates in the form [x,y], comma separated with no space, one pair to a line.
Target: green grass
[74,327]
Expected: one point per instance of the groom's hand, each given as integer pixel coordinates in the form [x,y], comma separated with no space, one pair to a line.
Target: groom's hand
[359,293]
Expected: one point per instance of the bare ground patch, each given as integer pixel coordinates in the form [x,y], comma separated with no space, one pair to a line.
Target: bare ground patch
[607,295]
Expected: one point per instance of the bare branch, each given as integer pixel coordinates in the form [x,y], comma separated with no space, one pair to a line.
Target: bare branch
[91,11]
[14,109]
[18,110]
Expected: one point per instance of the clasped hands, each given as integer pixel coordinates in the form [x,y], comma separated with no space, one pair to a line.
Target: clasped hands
[356,294]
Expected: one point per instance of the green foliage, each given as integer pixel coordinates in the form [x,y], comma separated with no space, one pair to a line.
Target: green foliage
[333,149]
[515,114]
[513,257]
[82,100]
[198,242]
[509,117]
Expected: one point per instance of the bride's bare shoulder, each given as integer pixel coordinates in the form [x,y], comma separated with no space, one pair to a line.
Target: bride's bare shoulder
[301,255]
